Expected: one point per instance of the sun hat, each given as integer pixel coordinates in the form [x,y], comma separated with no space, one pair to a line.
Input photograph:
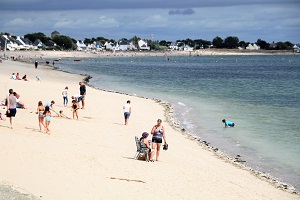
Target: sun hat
[145,134]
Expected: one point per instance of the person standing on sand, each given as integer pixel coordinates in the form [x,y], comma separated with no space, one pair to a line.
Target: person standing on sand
[36,64]
[127,111]
[75,107]
[47,115]
[158,134]
[11,106]
[82,90]
[40,111]
[65,96]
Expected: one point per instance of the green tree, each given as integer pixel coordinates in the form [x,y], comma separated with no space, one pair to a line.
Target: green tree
[65,42]
[33,36]
[135,41]
[218,42]
[199,43]
[163,43]
[263,44]
[102,39]
[87,41]
[231,42]
[243,44]
[284,45]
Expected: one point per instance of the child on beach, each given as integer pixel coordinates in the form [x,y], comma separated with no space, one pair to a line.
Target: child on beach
[47,115]
[75,107]
[61,114]
[65,96]
[18,76]
[25,78]
[13,76]
[38,79]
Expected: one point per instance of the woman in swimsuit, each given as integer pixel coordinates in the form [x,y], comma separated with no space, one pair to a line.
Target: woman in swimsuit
[47,115]
[158,134]
[40,110]
[75,107]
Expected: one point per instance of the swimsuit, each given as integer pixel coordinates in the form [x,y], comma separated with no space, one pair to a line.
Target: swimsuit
[41,114]
[157,137]
[74,106]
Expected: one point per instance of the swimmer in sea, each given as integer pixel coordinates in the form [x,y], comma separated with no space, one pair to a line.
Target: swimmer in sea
[228,123]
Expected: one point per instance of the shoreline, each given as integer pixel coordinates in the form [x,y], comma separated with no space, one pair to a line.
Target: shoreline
[41,54]
[168,113]
[237,161]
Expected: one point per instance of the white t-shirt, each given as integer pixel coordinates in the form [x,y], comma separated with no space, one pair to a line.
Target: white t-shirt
[65,92]
[127,107]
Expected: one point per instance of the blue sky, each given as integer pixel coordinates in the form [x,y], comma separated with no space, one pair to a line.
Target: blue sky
[249,20]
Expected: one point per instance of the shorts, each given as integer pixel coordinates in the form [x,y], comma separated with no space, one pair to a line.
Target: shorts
[82,97]
[126,115]
[12,112]
[48,118]
[41,115]
[157,140]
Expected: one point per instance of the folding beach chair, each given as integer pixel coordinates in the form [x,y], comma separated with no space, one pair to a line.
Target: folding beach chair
[141,150]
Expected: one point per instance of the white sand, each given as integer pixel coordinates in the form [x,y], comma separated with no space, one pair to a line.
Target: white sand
[92,158]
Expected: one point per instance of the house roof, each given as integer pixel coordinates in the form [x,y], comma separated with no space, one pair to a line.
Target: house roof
[55,32]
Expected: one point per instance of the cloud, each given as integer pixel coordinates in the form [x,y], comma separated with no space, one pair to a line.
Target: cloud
[132,4]
[248,22]
[19,22]
[188,11]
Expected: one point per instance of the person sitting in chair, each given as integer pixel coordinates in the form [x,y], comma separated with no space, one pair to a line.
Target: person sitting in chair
[145,141]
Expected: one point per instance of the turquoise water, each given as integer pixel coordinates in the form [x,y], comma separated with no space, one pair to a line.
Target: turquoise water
[259,93]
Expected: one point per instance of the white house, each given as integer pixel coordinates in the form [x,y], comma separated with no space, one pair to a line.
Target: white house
[80,45]
[188,48]
[253,47]
[124,45]
[24,43]
[10,43]
[296,49]
[143,45]
[173,46]
[111,46]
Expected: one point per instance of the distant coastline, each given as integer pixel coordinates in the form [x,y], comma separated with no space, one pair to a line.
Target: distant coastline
[19,55]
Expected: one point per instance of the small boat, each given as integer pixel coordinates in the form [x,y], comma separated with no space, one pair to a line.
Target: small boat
[77,60]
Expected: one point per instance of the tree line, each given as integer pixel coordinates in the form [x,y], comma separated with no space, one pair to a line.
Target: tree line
[230,42]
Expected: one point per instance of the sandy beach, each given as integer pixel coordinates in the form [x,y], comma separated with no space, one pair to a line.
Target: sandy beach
[92,158]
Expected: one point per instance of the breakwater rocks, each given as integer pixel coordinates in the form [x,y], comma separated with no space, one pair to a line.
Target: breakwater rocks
[237,161]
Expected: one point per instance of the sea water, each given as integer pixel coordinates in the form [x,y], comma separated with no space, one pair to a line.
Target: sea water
[259,93]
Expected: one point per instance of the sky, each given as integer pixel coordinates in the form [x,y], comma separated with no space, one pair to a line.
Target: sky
[170,20]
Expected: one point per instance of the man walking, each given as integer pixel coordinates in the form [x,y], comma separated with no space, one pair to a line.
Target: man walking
[127,111]
[36,64]
[82,90]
